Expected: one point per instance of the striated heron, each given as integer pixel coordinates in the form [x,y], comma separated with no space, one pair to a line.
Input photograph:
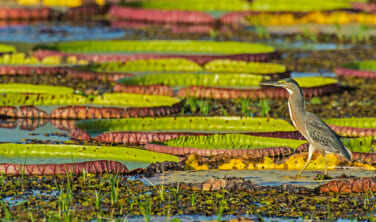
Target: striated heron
[319,136]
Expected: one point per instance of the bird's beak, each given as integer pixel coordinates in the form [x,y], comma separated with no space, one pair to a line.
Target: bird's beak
[273,83]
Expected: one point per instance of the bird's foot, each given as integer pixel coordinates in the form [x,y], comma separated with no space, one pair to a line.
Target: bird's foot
[320,176]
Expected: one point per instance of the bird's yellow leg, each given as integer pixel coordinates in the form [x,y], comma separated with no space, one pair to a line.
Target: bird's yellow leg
[311,149]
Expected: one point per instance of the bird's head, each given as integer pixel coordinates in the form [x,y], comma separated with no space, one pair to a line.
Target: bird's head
[289,84]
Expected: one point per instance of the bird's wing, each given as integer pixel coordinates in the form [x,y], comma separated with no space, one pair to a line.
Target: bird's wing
[325,136]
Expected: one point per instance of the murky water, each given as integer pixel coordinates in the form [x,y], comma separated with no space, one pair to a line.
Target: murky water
[259,177]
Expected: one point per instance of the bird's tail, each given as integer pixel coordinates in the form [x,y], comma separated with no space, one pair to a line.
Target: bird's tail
[347,154]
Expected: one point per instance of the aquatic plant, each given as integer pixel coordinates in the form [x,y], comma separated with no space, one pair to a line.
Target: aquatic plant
[301,5]
[369,65]
[168,65]
[362,144]
[188,79]
[243,67]
[7,48]
[230,144]
[155,46]
[222,5]
[232,141]
[360,122]
[95,167]
[160,16]
[187,124]
[311,86]
[317,17]
[78,151]
[30,88]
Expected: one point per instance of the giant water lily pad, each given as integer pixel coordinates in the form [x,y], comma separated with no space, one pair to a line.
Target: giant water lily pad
[185,65]
[232,141]
[361,122]
[55,98]
[223,5]
[160,46]
[7,48]
[35,101]
[363,144]
[187,124]
[30,88]
[73,151]
[362,69]
[301,5]
[311,86]
[189,79]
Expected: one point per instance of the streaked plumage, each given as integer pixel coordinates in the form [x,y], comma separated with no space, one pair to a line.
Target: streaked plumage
[319,135]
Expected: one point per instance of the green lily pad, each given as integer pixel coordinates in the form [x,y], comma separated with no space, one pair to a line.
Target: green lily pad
[158,46]
[232,141]
[107,99]
[315,81]
[189,79]
[76,151]
[196,5]
[363,122]
[369,65]
[187,124]
[301,5]
[362,144]
[30,88]
[220,65]
[7,48]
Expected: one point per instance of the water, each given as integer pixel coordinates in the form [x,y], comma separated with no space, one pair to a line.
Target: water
[259,177]
[59,32]
[24,131]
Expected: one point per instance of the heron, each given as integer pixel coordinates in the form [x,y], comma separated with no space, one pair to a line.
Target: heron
[319,135]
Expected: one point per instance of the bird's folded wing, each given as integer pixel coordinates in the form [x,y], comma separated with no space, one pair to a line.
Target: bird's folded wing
[322,134]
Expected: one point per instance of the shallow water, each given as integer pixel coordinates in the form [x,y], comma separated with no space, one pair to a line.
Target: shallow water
[41,132]
[259,177]
[52,32]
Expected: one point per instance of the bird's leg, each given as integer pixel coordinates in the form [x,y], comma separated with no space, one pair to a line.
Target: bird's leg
[326,165]
[311,149]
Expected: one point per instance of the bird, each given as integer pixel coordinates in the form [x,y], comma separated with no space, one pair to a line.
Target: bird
[319,135]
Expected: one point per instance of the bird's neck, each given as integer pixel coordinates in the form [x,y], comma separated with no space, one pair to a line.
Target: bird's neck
[297,108]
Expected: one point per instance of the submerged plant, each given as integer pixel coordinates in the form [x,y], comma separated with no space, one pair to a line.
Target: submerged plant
[265,108]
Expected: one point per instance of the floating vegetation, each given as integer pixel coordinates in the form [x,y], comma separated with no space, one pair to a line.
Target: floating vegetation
[187,124]
[291,18]
[229,144]
[311,86]
[7,48]
[25,13]
[188,79]
[232,141]
[301,5]
[223,5]
[361,122]
[167,65]
[94,167]
[155,46]
[82,151]
[161,16]
[362,69]
[244,67]
[30,88]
